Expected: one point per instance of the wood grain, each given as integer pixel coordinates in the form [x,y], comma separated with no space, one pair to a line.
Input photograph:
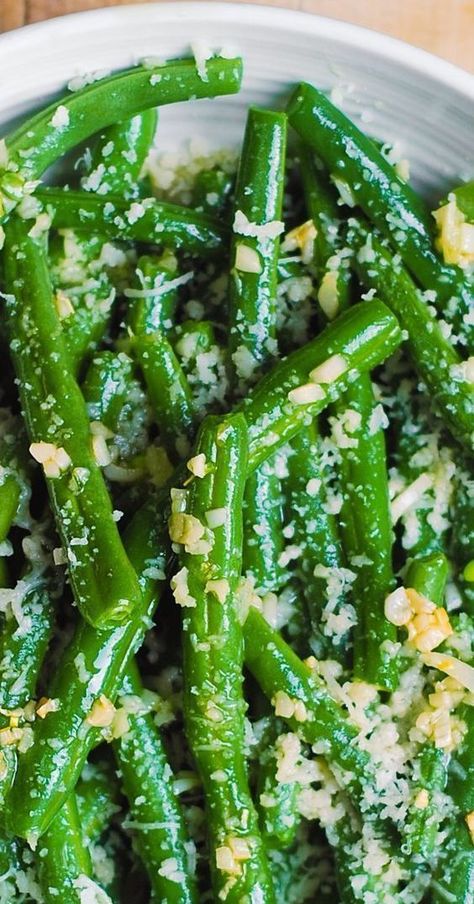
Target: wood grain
[445,27]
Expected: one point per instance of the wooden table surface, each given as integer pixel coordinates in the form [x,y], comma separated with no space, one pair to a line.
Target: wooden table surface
[445,27]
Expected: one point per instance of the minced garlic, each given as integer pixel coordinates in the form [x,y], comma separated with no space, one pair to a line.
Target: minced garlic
[54,459]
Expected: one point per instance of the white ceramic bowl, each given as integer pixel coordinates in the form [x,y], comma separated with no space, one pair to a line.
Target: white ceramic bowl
[400,93]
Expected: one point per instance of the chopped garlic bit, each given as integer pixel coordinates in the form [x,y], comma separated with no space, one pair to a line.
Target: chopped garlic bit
[180,589]
[100,435]
[216,517]
[63,305]
[102,713]
[330,370]
[247,260]
[470,824]
[328,295]
[398,610]
[219,588]
[231,855]
[197,465]
[45,706]
[422,799]
[456,236]
[301,238]
[428,625]
[306,394]
[54,459]
[289,708]
[191,533]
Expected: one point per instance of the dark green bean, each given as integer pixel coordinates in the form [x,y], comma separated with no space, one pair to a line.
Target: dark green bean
[64,862]
[118,154]
[390,202]
[105,585]
[43,138]
[156,819]
[434,357]
[148,220]
[428,576]
[214,706]
[153,297]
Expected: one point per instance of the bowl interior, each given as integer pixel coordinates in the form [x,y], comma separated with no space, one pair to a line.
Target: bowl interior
[398,93]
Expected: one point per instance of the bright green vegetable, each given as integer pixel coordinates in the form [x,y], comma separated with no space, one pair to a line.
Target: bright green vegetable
[255,245]
[118,154]
[427,576]
[156,818]
[152,299]
[385,198]
[363,337]
[214,706]
[434,357]
[45,137]
[366,530]
[105,585]
[148,220]
[64,863]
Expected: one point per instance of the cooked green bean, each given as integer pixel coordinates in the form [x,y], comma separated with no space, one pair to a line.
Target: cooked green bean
[105,585]
[168,391]
[428,576]
[214,707]
[64,862]
[43,138]
[366,530]
[435,358]
[320,565]
[90,668]
[146,220]
[156,818]
[255,245]
[152,299]
[390,202]
[281,403]
[118,154]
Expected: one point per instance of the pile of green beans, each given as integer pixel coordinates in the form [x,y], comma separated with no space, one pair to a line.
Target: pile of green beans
[227,574]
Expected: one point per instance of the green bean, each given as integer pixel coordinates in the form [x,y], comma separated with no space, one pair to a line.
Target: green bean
[168,390]
[278,801]
[83,290]
[454,879]
[148,220]
[191,339]
[214,706]
[263,541]
[278,669]
[64,863]
[320,566]
[391,204]
[91,666]
[118,154]
[104,583]
[255,245]
[331,266]
[363,336]
[428,576]
[115,398]
[153,298]
[462,538]
[434,357]
[212,191]
[422,459]
[156,819]
[464,195]
[45,137]
[351,846]
[366,531]
[97,799]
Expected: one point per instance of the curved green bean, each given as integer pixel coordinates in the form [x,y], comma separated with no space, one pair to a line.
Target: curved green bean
[214,706]
[105,585]
[45,137]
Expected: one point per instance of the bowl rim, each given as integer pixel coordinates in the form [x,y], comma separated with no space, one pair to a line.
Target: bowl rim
[377,43]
